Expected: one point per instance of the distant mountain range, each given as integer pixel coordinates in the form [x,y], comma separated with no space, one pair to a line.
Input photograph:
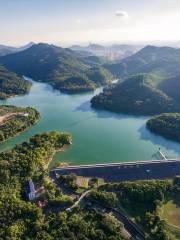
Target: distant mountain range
[109,53]
[163,61]
[5,50]
[64,68]
[89,48]
[150,83]
[149,79]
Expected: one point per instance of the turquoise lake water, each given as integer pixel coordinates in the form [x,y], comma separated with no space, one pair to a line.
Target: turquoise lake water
[98,136]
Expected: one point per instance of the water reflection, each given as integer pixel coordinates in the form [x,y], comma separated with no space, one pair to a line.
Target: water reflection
[147,135]
[86,107]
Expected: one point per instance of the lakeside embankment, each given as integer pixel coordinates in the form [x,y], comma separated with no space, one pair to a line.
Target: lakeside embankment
[126,171]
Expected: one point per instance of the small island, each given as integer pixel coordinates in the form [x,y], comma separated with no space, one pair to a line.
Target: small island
[15,120]
[166,125]
[11,84]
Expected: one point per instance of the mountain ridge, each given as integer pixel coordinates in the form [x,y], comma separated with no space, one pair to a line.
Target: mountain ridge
[11,84]
[135,95]
[56,65]
[146,61]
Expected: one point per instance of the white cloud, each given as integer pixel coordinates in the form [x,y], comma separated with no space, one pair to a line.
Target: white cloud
[122,14]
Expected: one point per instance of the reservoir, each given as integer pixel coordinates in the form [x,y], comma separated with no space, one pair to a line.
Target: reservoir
[98,136]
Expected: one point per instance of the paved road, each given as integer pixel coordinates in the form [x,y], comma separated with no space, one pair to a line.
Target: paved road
[126,171]
[78,201]
[130,226]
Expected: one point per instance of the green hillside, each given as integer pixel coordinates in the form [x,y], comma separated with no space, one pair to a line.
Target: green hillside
[21,219]
[150,83]
[135,95]
[57,66]
[166,125]
[171,87]
[11,84]
[163,61]
[88,81]
[15,120]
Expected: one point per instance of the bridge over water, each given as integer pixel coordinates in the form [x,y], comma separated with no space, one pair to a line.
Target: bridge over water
[127,171]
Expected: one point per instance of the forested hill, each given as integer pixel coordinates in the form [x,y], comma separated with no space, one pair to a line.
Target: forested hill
[166,125]
[57,66]
[11,84]
[163,61]
[171,87]
[21,219]
[135,95]
[15,120]
[150,83]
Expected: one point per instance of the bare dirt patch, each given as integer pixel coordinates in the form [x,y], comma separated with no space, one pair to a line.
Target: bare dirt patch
[8,116]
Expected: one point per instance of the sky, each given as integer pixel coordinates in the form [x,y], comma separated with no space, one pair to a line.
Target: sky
[84,21]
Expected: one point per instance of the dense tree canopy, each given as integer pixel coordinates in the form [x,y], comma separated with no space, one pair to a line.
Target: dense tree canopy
[20,219]
[63,68]
[30,159]
[11,84]
[142,200]
[166,125]
[151,83]
[108,199]
[22,120]
[135,95]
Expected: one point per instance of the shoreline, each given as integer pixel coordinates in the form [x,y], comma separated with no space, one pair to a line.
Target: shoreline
[25,130]
[15,95]
[54,153]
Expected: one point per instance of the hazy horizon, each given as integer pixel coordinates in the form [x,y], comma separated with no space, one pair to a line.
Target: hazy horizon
[81,22]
